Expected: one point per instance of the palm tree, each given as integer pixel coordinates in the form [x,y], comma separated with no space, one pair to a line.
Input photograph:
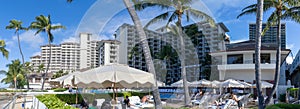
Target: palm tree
[14,72]
[41,68]
[146,50]
[283,10]
[44,24]
[180,8]
[3,50]
[17,25]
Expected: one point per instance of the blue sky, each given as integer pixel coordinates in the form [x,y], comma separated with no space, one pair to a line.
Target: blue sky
[102,17]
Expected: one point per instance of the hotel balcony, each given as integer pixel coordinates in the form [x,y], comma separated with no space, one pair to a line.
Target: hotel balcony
[244,66]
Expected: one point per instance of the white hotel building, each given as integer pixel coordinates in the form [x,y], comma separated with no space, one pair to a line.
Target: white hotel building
[69,56]
[237,62]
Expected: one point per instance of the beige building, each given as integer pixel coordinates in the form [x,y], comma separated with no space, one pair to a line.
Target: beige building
[237,62]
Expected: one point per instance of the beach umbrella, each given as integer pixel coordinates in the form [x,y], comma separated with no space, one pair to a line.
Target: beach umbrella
[179,83]
[230,83]
[264,84]
[201,83]
[215,83]
[114,76]
[65,80]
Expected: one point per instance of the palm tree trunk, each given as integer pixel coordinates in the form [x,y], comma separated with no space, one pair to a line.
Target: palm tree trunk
[182,59]
[15,81]
[146,50]
[48,65]
[278,60]
[259,16]
[19,44]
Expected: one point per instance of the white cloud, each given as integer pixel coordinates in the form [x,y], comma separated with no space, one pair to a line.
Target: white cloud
[289,60]
[71,39]
[289,46]
[239,40]
[36,53]
[28,37]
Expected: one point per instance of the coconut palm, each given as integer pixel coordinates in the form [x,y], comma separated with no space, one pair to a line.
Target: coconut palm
[283,10]
[3,50]
[41,68]
[17,26]
[44,24]
[179,8]
[14,73]
[146,50]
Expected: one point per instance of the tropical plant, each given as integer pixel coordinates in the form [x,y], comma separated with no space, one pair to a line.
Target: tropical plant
[146,50]
[3,50]
[41,68]
[44,24]
[283,10]
[17,26]
[59,74]
[179,8]
[15,75]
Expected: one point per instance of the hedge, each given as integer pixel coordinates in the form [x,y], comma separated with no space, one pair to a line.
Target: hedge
[52,102]
[59,89]
[284,106]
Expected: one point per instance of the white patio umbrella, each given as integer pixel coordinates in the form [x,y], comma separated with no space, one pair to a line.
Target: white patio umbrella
[232,83]
[264,84]
[180,83]
[246,85]
[114,75]
[201,83]
[215,83]
[65,80]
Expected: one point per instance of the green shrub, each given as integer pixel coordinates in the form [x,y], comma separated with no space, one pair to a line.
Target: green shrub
[284,106]
[70,98]
[282,97]
[293,92]
[59,89]
[126,94]
[52,102]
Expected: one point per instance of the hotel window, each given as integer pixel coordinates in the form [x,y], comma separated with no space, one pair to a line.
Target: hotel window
[235,59]
[264,58]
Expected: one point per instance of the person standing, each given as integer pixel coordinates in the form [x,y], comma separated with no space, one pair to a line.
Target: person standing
[234,97]
[127,101]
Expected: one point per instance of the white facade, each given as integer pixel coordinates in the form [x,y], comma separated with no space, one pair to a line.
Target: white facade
[55,62]
[108,52]
[239,64]
[69,56]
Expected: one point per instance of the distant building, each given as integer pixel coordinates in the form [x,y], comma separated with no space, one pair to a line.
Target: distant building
[108,51]
[89,57]
[69,56]
[270,35]
[237,62]
[295,70]
[203,39]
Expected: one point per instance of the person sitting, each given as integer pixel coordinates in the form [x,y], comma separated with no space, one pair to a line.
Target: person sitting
[234,97]
[127,101]
[145,99]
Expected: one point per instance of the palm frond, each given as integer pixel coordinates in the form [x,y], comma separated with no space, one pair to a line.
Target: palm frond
[173,17]
[158,18]
[199,14]
[272,20]
[292,14]
[246,12]
[55,27]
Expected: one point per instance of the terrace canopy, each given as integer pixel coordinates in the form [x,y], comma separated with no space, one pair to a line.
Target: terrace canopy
[64,80]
